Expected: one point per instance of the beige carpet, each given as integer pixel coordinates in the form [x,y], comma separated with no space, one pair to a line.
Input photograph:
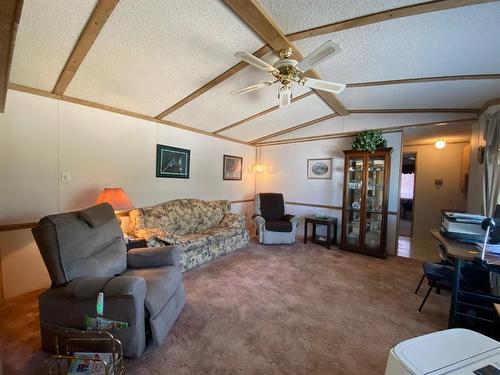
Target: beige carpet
[297,309]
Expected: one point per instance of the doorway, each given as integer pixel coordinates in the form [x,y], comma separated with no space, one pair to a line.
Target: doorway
[407,201]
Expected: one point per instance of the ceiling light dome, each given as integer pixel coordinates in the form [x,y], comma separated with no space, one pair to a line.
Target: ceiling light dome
[440,143]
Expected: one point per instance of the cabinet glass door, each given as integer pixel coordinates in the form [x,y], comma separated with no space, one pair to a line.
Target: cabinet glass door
[374,201]
[354,194]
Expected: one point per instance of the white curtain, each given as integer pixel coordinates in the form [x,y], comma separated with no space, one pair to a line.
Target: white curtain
[491,180]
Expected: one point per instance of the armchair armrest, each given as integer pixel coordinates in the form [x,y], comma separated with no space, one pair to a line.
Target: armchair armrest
[89,288]
[259,221]
[149,257]
[293,219]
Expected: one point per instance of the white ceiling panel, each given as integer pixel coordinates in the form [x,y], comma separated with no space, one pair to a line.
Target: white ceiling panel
[48,31]
[151,54]
[447,94]
[301,111]
[452,42]
[298,15]
[460,132]
[217,108]
[359,122]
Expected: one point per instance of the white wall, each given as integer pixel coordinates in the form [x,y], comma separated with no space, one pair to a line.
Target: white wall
[42,138]
[288,174]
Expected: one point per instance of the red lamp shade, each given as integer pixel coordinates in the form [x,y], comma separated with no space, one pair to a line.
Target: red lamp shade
[116,197]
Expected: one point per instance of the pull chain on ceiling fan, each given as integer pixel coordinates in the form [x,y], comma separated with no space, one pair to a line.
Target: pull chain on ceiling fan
[287,70]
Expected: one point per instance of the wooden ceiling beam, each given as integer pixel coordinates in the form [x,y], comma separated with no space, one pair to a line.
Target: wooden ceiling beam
[416,110]
[256,17]
[10,13]
[31,90]
[296,127]
[264,112]
[467,77]
[97,20]
[353,133]
[411,10]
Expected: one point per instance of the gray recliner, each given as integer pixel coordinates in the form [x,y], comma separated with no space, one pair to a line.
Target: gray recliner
[273,225]
[85,253]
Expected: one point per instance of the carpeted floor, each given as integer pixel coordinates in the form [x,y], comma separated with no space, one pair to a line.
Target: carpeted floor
[297,309]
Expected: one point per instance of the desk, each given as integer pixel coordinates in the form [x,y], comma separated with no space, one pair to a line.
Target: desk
[465,255]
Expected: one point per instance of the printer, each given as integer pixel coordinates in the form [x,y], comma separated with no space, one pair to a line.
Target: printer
[453,351]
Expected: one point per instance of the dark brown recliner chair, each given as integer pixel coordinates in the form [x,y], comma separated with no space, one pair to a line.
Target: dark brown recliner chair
[85,254]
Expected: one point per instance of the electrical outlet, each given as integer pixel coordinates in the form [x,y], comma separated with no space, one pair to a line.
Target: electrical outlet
[65,177]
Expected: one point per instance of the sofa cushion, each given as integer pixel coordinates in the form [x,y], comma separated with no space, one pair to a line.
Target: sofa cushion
[272,206]
[278,226]
[161,284]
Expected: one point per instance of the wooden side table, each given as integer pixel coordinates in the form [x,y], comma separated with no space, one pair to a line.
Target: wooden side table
[331,225]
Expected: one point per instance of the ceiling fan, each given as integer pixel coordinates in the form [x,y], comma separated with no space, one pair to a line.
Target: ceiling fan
[287,70]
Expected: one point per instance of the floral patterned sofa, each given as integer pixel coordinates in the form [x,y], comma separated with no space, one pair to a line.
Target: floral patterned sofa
[204,230]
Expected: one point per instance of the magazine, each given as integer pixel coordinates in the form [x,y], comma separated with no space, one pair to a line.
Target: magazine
[91,363]
[103,324]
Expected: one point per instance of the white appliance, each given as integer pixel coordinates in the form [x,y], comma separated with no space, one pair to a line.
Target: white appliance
[453,351]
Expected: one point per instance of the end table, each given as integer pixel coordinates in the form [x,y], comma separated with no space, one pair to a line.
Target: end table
[331,224]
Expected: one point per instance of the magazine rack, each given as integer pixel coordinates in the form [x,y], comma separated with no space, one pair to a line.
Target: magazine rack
[77,341]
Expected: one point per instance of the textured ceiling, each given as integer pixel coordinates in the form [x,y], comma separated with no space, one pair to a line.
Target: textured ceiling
[48,31]
[445,94]
[359,122]
[460,132]
[217,108]
[151,54]
[452,42]
[298,15]
[301,111]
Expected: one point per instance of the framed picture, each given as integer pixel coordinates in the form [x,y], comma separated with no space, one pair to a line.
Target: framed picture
[319,168]
[232,168]
[172,162]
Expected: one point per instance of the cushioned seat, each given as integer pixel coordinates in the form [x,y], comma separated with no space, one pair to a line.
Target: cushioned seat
[279,226]
[161,284]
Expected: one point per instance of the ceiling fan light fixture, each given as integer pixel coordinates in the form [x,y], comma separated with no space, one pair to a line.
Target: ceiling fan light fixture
[285,96]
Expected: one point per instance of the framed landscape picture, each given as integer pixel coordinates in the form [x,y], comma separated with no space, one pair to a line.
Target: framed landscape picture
[319,168]
[172,162]
[232,168]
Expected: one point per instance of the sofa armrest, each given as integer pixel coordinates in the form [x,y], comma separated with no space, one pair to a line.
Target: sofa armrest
[118,286]
[149,257]
[232,220]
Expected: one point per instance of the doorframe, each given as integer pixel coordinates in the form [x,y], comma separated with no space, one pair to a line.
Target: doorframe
[414,153]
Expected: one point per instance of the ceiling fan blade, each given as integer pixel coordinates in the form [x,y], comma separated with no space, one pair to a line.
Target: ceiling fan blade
[251,88]
[319,84]
[255,61]
[321,53]
[285,96]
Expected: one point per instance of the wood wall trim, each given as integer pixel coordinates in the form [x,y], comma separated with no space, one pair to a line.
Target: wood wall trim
[97,20]
[296,127]
[353,133]
[469,77]
[339,208]
[432,144]
[264,112]
[103,107]
[10,13]
[412,10]
[18,226]
[256,17]
[214,82]
[243,200]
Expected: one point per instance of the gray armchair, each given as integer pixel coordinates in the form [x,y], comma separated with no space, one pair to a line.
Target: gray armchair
[85,254]
[273,225]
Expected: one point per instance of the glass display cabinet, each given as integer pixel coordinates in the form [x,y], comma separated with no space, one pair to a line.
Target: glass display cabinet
[364,211]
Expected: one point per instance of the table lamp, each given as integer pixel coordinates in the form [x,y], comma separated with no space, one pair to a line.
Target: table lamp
[116,197]
[488,225]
